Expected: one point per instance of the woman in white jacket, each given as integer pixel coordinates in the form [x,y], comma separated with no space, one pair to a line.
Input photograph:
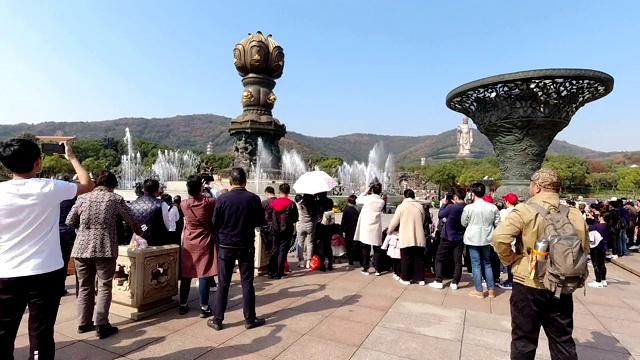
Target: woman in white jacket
[369,228]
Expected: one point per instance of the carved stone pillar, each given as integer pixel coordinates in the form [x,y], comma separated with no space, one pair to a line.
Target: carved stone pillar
[260,61]
[521,113]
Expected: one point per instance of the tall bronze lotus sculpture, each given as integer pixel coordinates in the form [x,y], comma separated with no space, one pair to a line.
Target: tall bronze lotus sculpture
[260,61]
[522,112]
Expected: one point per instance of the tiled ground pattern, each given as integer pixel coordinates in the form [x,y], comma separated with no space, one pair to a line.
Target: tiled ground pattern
[345,315]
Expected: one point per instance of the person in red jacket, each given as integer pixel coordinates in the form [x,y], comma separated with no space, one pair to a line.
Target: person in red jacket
[281,214]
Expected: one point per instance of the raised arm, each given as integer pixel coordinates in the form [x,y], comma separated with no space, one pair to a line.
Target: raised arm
[85,184]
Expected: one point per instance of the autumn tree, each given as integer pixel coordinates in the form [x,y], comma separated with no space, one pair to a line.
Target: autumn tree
[597,166]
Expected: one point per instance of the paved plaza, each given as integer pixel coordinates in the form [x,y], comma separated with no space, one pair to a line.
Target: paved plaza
[345,315]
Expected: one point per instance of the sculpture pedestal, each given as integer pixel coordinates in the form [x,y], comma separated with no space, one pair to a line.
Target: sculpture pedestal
[146,281]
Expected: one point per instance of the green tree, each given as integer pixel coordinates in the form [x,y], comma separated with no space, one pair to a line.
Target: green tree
[606,180]
[94,165]
[53,165]
[110,157]
[444,174]
[213,163]
[330,165]
[629,179]
[571,169]
[28,136]
[85,149]
[5,174]
[473,171]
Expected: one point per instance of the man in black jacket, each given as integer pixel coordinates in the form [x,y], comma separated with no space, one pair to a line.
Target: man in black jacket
[153,213]
[348,226]
[281,214]
[67,233]
[238,213]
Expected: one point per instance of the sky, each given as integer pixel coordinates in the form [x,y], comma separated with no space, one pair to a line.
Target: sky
[371,66]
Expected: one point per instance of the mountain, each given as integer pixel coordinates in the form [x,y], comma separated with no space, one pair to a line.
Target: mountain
[195,131]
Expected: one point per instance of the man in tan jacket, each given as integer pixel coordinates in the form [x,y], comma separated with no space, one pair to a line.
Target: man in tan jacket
[532,305]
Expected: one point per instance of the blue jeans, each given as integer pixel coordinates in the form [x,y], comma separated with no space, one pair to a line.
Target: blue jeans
[622,243]
[203,287]
[480,257]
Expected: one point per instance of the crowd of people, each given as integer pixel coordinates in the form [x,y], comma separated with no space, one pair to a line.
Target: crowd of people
[45,222]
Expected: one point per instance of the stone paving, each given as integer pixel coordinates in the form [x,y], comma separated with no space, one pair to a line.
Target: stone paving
[345,315]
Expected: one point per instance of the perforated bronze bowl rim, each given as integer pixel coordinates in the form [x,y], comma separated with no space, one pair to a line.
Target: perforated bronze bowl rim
[540,74]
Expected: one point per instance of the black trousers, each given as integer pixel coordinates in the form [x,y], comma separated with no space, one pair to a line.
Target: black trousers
[278,258]
[630,233]
[227,258]
[354,252]
[41,293]
[412,263]
[532,308]
[396,266]
[495,265]
[598,260]
[66,245]
[366,257]
[450,250]
[613,242]
[431,254]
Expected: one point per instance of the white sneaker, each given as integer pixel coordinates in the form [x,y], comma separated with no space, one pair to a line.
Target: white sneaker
[435,285]
[213,289]
[378,274]
[596,285]
[301,264]
[405,283]
[453,286]
[365,273]
[634,247]
[604,283]
[307,264]
[609,256]
[421,283]
[396,277]
[613,257]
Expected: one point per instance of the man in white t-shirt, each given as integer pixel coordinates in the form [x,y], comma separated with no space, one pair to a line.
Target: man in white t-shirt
[31,266]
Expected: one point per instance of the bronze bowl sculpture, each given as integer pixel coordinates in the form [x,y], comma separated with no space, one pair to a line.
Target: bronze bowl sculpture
[522,112]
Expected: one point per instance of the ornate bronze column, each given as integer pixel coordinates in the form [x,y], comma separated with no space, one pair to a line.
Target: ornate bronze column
[522,112]
[260,61]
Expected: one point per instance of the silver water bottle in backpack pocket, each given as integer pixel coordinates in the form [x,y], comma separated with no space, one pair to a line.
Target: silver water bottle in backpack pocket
[541,250]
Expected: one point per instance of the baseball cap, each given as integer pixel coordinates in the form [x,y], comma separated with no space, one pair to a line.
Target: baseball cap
[511,198]
[488,198]
[547,178]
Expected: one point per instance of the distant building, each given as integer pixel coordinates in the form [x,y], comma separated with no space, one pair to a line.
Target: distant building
[209,148]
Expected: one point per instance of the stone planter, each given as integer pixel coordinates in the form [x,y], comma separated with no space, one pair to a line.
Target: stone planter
[146,281]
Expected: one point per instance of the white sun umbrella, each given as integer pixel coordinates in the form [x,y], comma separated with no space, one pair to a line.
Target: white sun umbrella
[314,182]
